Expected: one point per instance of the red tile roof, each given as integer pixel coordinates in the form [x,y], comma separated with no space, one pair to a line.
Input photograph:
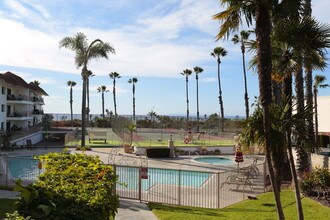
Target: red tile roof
[15,80]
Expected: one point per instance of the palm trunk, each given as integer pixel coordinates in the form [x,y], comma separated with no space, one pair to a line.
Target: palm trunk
[288,94]
[133,101]
[316,118]
[220,97]
[187,100]
[263,25]
[83,107]
[87,94]
[302,155]
[309,103]
[71,110]
[114,96]
[197,103]
[103,104]
[246,97]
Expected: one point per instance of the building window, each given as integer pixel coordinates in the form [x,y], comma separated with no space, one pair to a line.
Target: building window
[2,108]
[3,90]
[2,126]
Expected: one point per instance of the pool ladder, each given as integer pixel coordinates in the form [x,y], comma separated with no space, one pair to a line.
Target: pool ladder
[195,151]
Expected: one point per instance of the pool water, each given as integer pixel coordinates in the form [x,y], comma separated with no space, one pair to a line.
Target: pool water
[130,176]
[215,160]
[23,167]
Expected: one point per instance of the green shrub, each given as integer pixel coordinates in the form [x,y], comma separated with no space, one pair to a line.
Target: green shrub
[73,186]
[16,216]
[318,180]
[103,122]
[158,152]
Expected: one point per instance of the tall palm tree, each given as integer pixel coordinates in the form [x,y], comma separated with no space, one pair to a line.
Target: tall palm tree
[71,84]
[90,74]
[244,36]
[197,71]
[133,81]
[84,54]
[102,89]
[319,82]
[186,73]
[114,76]
[257,12]
[315,39]
[217,53]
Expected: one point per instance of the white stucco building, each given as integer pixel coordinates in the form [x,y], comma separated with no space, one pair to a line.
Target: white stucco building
[323,108]
[21,103]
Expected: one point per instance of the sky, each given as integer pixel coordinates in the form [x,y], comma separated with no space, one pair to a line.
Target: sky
[154,42]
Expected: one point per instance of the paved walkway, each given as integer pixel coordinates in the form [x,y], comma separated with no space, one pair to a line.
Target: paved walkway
[128,209]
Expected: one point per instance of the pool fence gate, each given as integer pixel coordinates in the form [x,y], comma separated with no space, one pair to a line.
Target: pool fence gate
[166,186]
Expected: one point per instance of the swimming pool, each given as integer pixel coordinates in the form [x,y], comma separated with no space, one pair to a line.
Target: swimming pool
[215,160]
[130,176]
[23,167]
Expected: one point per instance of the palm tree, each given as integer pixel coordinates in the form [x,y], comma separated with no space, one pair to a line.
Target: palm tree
[36,82]
[186,73]
[90,74]
[152,115]
[244,36]
[133,81]
[259,13]
[114,76]
[315,39]
[217,53]
[319,82]
[102,89]
[197,71]
[71,84]
[84,54]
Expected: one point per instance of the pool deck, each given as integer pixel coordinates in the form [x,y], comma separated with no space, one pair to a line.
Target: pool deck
[133,209]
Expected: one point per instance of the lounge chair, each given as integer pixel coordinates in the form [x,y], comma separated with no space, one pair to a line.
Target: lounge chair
[29,144]
[238,179]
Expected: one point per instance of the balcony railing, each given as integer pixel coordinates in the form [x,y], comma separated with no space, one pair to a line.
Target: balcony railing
[24,98]
[36,99]
[17,114]
[38,112]
[17,97]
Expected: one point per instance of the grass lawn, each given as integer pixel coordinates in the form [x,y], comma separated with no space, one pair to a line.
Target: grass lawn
[262,208]
[6,205]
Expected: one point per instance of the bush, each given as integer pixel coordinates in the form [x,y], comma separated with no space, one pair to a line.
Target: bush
[158,152]
[103,122]
[74,186]
[318,180]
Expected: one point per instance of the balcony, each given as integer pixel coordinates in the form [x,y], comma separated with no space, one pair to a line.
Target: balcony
[19,116]
[38,112]
[23,99]
[38,100]
[17,98]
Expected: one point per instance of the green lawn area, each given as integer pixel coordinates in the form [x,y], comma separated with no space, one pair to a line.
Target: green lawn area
[262,208]
[6,205]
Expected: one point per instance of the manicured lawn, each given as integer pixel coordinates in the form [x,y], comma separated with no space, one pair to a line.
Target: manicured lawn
[7,205]
[262,208]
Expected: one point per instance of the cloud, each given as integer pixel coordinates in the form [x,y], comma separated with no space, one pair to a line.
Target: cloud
[208,79]
[145,49]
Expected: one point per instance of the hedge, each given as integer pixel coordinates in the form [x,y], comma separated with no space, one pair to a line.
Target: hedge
[158,152]
[73,186]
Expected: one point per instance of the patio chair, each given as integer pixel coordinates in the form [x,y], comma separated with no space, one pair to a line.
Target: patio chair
[254,171]
[29,144]
[238,179]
